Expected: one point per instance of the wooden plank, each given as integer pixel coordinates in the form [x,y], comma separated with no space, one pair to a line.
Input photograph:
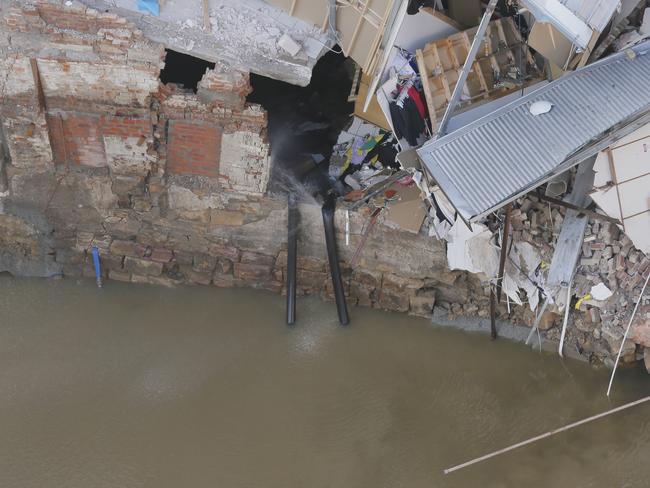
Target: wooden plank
[590,48]
[580,210]
[454,61]
[493,61]
[361,29]
[612,170]
[375,50]
[354,89]
[504,39]
[443,17]
[452,52]
[374,114]
[443,77]
[422,68]
[477,67]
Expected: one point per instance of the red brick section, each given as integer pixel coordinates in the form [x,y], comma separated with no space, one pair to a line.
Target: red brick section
[126,126]
[83,142]
[194,148]
[77,138]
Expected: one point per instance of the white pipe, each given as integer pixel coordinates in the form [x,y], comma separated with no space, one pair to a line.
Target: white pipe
[546,434]
[566,318]
[347,227]
[629,324]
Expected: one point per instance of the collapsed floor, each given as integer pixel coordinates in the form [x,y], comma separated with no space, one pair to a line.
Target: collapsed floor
[170,183]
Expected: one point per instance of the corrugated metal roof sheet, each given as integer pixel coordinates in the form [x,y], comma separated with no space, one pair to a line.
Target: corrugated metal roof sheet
[496,158]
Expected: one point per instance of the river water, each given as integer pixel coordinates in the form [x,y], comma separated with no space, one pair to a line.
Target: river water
[140,386]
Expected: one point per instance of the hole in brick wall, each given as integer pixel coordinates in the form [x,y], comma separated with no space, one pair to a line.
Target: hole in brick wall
[184,69]
[305,120]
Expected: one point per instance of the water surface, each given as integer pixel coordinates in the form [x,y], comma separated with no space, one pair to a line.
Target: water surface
[140,386]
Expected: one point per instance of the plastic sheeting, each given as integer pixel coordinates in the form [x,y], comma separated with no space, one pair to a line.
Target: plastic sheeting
[150,6]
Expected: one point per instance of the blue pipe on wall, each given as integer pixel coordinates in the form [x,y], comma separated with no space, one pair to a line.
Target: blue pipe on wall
[98,269]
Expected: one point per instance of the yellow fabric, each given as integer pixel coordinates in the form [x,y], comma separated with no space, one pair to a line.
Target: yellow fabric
[579,302]
[359,152]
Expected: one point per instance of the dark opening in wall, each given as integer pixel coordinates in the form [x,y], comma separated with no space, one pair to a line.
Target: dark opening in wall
[305,120]
[184,69]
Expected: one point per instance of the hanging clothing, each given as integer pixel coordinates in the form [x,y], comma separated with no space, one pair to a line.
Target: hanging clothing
[417,98]
[407,121]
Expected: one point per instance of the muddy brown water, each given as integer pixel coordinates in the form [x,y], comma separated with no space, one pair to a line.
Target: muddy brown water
[140,386]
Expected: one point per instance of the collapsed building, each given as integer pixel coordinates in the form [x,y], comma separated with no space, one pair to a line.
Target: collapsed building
[130,127]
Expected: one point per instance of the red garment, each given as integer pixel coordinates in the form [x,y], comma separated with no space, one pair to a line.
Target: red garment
[417,98]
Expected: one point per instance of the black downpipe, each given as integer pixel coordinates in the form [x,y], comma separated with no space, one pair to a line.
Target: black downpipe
[332,255]
[292,248]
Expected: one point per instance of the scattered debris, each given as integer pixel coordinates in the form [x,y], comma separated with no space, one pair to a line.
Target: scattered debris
[600,292]
[289,45]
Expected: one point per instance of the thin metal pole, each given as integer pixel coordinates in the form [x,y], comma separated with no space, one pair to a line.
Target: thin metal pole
[629,324]
[504,250]
[493,313]
[545,435]
[462,77]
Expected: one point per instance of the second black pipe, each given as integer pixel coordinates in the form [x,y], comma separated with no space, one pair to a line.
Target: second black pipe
[292,249]
[332,256]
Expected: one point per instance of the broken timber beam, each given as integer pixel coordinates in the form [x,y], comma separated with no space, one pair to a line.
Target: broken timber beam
[206,15]
[39,84]
[578,209]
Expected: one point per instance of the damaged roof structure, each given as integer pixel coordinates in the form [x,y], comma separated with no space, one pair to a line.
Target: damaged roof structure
[497,158]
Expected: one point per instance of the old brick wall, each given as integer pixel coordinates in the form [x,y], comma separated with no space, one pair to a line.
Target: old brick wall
[91,140]
[168,184]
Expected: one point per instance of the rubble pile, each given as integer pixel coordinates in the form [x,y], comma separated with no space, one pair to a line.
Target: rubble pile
[608,258]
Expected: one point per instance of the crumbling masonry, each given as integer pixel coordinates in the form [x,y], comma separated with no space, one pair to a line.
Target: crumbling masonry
[171,186]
